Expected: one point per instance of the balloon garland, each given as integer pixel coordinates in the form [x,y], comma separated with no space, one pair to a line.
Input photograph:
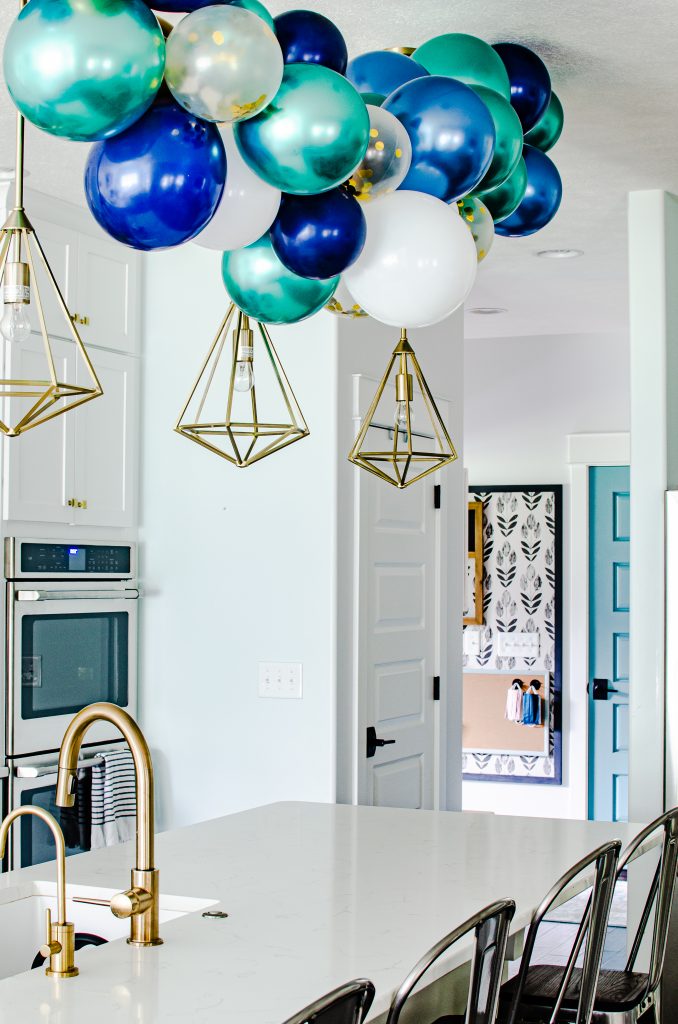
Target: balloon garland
[388,174]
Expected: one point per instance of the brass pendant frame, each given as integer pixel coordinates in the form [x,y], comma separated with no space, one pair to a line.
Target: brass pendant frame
[240,436]
[52,396]
[403,460]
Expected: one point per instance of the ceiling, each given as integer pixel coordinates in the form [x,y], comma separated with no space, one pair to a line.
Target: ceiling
[612,63]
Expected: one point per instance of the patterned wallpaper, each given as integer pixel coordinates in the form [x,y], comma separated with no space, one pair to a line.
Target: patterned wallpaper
[519,595]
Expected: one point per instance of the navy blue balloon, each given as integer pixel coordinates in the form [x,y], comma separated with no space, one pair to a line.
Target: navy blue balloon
[307,37]
[542,197]
[381,72]
[158,183]
[319,236]
[452,135]
[530,82]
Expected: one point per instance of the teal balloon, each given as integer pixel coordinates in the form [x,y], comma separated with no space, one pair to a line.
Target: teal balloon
[84,69]
[507,197]
[312,135]
[508,145]
[467,58]
[263,287]
[548,128]
[256,8]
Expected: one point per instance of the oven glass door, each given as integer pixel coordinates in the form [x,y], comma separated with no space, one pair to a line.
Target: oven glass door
[35,841]
[68,654]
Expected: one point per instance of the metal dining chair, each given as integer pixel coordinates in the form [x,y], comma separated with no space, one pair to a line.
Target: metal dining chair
[554,994]
[348,1004]
[491,931]
[622,997]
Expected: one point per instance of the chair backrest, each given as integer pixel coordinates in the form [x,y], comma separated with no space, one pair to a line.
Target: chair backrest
[348,1004]
[491,928]
[602,862]
[661,891]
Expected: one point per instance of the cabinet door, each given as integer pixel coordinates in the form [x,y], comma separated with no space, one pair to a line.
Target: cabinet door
[107,293]
[38,465]
[61,249]
[106,443]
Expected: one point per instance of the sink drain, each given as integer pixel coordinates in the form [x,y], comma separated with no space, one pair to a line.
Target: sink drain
[218,915]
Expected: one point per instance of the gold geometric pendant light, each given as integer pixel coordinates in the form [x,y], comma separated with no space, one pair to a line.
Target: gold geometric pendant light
[31,402]
[413,454]
[225,414]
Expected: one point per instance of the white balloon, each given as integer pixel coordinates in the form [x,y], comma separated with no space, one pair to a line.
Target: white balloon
[248,206]
[419,261]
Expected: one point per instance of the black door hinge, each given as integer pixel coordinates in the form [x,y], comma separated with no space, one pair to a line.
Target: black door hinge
[436,687]
[436,495]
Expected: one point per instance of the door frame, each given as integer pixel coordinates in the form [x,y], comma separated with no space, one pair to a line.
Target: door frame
[583,451]
[364,387]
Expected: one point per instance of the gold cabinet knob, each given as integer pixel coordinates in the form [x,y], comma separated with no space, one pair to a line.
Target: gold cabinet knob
[129,904]
[71,502]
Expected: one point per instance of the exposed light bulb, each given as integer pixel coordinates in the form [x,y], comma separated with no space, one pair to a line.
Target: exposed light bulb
[401,416]
[244,376]
[15,324]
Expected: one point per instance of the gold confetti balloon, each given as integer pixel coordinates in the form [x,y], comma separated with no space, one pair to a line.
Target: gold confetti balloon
[343,304]
[387,160]
[223,63]
[479,219]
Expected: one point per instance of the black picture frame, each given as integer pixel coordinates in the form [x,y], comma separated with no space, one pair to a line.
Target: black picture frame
[557,778]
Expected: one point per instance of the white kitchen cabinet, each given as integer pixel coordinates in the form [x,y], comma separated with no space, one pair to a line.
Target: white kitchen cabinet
[106,444]
[60,245]
[107,294]
[38,465]
[81,467]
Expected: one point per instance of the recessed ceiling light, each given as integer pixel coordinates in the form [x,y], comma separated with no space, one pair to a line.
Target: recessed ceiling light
[560,254]
[488,310]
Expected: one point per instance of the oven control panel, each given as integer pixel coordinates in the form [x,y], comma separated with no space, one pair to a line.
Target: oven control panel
[36,559]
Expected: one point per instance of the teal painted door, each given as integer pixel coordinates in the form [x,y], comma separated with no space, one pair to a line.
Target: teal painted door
[609,526]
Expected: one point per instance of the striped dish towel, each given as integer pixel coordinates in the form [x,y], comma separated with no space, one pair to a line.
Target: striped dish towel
[114,804]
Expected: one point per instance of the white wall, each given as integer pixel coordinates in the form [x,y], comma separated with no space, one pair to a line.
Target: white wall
[522,398]
[237,566]
[240,566]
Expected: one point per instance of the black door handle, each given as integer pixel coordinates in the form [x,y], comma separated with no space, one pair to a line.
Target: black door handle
[374,741]
[602,689]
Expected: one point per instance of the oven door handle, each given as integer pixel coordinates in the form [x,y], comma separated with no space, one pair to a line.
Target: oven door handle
[37,771]
[129,594]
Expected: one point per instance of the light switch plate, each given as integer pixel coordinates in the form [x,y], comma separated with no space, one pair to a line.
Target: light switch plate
[280,679]
[471,642]
[518,645]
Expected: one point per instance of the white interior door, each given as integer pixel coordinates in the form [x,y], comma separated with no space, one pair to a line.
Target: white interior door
[399,609]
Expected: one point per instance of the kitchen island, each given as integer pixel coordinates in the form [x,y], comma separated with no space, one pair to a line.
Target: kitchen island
[316,894]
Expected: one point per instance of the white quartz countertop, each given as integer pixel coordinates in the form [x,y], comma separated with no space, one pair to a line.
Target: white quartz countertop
[316,895]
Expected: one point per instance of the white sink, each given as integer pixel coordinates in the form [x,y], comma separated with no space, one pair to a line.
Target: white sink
[22,919]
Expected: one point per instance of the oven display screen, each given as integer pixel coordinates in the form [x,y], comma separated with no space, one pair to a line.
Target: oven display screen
[97,559]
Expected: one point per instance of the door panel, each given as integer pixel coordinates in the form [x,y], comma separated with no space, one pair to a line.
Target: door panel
[107,292]
[106,443]
[38,465]
[609,504]
[398,608]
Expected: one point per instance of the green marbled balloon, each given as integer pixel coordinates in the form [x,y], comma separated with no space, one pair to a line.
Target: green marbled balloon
[467,58]
[507,197]
[547,130]
[256,8]
[261,286]
[508,146]
[312,135]
[84,69]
